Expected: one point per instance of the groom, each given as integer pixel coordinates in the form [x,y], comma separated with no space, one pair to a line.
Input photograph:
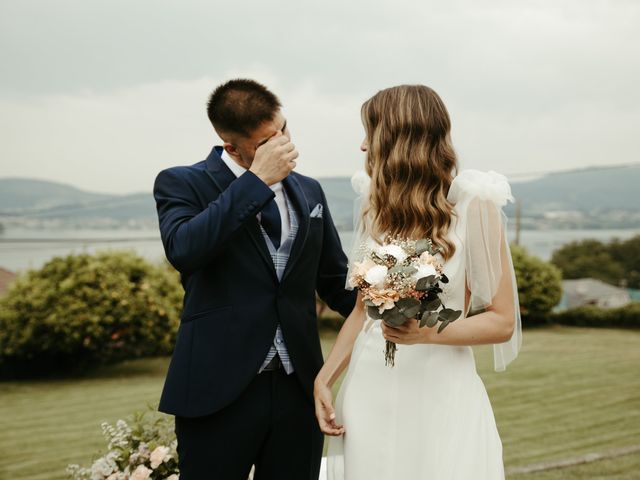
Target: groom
[253,242]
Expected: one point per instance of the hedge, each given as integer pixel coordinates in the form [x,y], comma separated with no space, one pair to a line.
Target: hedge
[592,316]
[84,310]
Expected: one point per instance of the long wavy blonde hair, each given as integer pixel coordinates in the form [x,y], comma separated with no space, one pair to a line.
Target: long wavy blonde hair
[411,162]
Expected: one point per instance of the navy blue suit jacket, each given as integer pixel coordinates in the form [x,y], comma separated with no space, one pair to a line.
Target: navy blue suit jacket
[233,300]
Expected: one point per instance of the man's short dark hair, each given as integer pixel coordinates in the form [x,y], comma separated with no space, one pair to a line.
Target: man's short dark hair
[240,106]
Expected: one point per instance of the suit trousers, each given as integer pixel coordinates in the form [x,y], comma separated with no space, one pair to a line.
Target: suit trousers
[272,425]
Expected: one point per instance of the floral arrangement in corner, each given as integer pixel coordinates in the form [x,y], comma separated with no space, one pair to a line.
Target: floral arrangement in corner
[140,449]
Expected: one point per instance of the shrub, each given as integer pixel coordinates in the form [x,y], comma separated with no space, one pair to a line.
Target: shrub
[539,285]
[82,310]
[627,316]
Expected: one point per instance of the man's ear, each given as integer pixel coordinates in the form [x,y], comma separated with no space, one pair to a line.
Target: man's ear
[231,149]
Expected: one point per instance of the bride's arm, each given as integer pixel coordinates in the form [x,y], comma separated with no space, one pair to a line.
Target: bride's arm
[336,362]
[494,325]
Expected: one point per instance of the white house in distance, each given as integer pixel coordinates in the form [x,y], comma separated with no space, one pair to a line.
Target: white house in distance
[589,291]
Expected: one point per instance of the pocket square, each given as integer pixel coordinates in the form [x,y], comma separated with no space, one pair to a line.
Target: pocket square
[316,212]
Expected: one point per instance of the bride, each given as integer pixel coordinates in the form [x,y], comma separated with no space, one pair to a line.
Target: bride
[429,416]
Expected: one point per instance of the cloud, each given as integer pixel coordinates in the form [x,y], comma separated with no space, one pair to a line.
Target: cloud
[118,141]
[105,94]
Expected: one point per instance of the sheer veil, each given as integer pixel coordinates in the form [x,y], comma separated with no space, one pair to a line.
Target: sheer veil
[361,183]
[479,198]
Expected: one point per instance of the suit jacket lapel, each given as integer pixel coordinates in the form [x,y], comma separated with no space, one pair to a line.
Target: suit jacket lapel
[222,177]
[302,208]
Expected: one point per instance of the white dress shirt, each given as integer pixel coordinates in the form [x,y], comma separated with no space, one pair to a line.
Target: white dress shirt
[281,201]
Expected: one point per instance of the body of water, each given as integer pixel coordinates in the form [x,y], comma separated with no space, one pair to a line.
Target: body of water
[23,248]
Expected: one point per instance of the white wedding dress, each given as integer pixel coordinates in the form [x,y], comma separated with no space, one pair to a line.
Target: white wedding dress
[429,417]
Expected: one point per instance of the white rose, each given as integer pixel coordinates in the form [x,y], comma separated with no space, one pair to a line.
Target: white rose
[173,476]
[424,271]
[394,250]
[375,276]
[141,473]
[158,455]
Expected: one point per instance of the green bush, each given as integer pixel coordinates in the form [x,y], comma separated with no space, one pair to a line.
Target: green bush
[616,262]
[539,286]
[587,259]
[83,310]
[592,316]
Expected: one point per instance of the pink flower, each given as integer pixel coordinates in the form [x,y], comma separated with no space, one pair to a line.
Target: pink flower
[359,270]
[427,259]
[159,455]
[141,473]
[383,299]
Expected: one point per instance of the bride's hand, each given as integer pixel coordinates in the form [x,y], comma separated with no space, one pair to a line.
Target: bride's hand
[408,334]
[324,410]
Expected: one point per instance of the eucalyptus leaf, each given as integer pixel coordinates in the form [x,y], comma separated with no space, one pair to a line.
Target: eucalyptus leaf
[443,325]
[449,315]
[374,313]
[430,319]
[422,284]
[394,317]
[431,305]
[422,246]
[409,307]
[425,283]
[396,269]
[369,303]
[408,271]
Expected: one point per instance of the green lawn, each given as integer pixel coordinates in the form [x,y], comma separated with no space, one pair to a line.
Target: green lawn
[571,392]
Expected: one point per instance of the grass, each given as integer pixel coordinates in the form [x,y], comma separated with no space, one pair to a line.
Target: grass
[572,391]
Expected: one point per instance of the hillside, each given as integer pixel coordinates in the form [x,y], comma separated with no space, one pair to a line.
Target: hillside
[588,198]
[587,190]
[20,194]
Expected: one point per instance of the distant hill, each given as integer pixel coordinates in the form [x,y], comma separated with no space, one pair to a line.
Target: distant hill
[20,194]
[589,198]
[586,190]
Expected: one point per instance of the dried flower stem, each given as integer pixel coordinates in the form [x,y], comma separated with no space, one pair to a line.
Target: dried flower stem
[390,353]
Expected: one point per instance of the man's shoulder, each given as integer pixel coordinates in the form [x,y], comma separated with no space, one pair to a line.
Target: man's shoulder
[184,171]
[305,181]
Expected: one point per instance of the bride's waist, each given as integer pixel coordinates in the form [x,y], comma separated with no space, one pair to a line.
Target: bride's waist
[371,335]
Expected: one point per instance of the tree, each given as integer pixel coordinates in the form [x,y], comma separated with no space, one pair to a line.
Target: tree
[539,285]
[627,254]
[589,259]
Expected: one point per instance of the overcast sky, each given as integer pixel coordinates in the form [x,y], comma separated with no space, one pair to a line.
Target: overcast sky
[104,94]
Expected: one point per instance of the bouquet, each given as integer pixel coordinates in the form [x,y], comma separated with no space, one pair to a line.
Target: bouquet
[140,450]
[400,281]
